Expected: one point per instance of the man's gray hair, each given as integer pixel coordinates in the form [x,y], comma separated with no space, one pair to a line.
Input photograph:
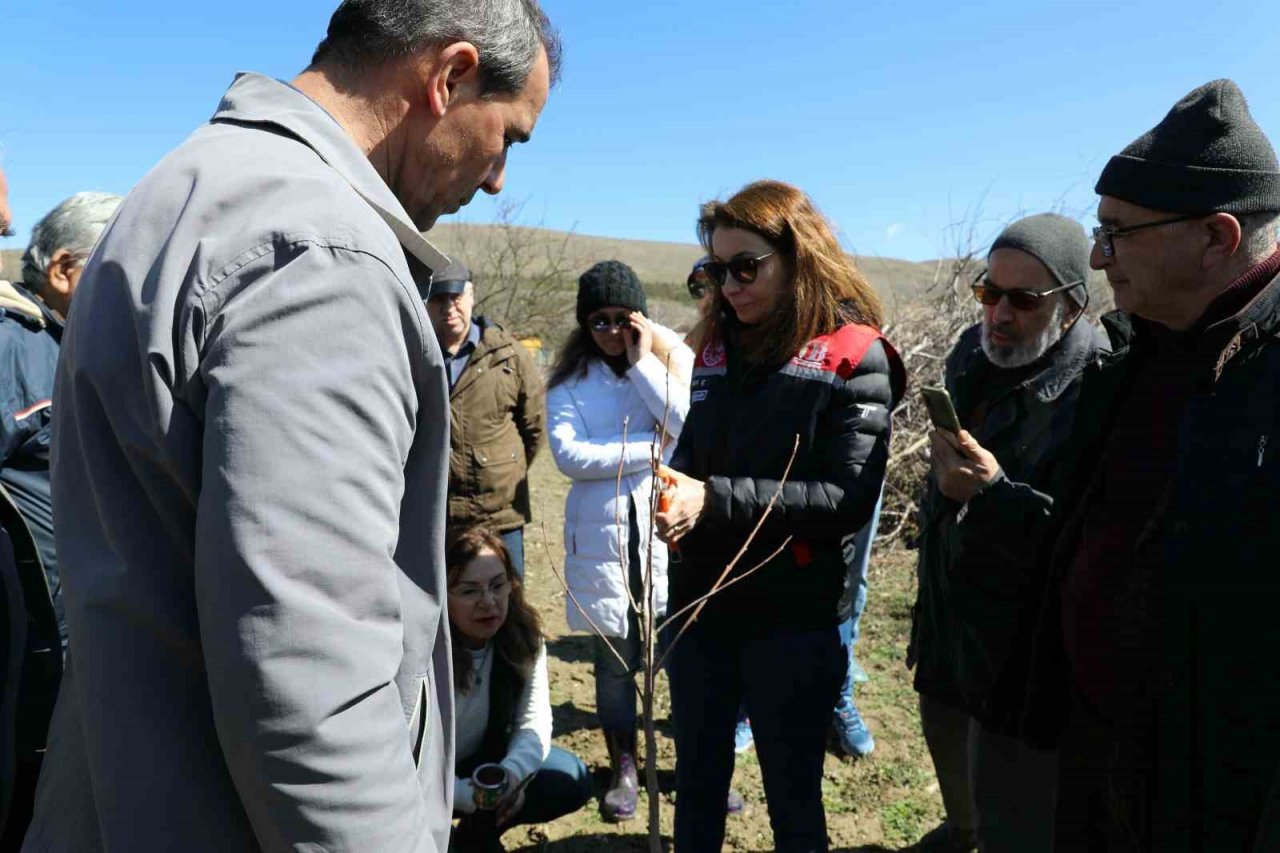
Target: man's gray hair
[508,34]
[74,225]
[1259,233]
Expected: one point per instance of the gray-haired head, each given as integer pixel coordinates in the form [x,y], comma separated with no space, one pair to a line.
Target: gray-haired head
[508,35]
[74,226]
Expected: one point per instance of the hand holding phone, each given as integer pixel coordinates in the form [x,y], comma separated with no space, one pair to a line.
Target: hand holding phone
[942,412]
[639,337]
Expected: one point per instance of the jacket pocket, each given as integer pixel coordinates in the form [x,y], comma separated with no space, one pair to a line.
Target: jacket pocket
[500,468]
[419,720]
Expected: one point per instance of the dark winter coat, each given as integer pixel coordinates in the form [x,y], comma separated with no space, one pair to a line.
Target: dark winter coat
[497,413]
[835,397]
[1216,727]
[980,576]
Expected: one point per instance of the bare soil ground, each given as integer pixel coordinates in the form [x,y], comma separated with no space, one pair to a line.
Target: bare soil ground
[882,802]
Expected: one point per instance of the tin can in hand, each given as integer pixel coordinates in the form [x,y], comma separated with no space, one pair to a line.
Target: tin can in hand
[490,783]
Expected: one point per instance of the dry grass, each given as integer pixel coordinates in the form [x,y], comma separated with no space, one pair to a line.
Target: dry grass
[878,803]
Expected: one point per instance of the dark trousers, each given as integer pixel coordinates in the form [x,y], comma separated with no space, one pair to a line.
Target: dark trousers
[1103,793]
[561,787]
[995,785]
[788,683]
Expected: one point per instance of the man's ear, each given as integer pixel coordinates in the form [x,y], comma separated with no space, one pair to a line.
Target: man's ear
[58,276]
[454,76]
[1224,235]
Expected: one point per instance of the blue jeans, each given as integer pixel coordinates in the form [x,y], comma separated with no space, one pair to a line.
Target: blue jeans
[514,542]
[788,683]
[616,684]
[858,578]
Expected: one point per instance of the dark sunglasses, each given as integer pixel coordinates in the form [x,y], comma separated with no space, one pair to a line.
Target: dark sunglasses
[605,322]
[744,270]
[1020,299]
[698,283]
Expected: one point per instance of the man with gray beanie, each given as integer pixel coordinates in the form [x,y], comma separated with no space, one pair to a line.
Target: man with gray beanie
[1153,675]
[1014,378]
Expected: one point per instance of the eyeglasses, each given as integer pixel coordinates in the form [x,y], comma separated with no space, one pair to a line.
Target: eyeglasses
[698,283]
[473,594]
[1020,299]
[744,270]
[1105,235]
[606,322]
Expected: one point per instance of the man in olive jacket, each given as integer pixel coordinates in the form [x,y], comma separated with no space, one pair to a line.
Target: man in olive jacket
[497,413]
[249,455]
[1014,378]
[1158,635]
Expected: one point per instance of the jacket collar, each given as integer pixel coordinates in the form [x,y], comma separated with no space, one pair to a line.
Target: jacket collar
[17,300]
[1057,368]
[254,99]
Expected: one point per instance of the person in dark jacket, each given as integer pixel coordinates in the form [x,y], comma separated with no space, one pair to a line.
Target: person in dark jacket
[31,320]
[1155,657]
[1014,378]
[497,413]
[500,685]
[792,391]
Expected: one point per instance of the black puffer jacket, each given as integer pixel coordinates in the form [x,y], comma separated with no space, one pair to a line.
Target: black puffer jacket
[836,396]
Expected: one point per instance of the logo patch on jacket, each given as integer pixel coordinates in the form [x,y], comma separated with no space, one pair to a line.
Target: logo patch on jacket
[813,355]
[713,354]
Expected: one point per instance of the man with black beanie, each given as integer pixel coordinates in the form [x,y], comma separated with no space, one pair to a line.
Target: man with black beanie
[1015,378]
[1157,631]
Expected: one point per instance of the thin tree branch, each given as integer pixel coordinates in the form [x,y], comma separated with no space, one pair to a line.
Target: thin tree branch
[594,627]
[743,550]
[748,573]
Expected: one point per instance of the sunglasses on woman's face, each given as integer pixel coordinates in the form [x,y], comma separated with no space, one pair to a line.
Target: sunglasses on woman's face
[606,322]
[743,269]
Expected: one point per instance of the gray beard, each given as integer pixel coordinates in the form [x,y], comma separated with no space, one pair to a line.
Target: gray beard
[1025,352]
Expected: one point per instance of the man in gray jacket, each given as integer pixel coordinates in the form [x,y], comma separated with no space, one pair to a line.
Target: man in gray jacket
[249,469]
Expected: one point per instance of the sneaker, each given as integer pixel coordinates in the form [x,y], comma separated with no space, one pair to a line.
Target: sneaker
[854,736]
[946,838]
[742,737]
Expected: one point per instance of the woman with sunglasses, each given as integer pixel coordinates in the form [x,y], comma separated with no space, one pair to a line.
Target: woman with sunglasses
[790,360]
[503,707]
[620,380]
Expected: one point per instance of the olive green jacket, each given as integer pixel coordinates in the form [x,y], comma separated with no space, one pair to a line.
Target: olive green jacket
[498,415]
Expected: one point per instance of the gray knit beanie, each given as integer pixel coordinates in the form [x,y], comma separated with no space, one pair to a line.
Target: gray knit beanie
[609,283]
[1055,241]
[1207,155]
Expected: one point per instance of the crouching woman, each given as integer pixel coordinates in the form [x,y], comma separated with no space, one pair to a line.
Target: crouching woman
[508,773]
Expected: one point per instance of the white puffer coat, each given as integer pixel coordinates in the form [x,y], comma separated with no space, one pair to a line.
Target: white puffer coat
[587,416]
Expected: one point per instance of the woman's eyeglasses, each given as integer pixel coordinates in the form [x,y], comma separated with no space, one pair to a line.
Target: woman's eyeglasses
[1020,299]
[605,322]
[743,269]
[474,593]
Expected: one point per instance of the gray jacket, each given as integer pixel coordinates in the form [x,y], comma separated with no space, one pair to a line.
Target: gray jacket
[251,439]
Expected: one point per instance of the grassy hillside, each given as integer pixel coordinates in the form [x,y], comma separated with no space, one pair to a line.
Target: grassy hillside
[661,266]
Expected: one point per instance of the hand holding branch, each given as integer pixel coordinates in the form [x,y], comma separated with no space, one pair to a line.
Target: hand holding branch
[688,503]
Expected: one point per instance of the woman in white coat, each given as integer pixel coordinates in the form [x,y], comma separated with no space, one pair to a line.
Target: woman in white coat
[619,378]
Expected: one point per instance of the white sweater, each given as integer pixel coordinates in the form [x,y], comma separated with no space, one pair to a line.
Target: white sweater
[531,741]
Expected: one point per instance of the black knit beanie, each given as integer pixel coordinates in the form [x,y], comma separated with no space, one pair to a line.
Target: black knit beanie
[1207,155]
[1055,241]
[609,283]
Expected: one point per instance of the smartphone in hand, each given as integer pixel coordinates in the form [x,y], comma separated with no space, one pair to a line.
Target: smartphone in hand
[942,412]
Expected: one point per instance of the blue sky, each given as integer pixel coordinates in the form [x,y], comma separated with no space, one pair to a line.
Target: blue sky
[899,118]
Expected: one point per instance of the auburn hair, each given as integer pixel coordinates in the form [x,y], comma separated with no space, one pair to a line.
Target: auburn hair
[824,289]
[520,639]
